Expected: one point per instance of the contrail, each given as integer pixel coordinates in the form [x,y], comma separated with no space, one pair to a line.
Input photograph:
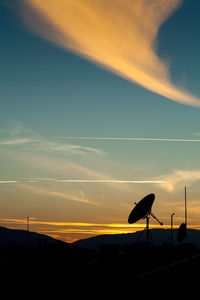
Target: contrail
[109,181]
[8,181]
[34,180]
[129,139]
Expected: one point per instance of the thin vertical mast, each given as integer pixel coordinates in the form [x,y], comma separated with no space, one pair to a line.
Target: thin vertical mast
[185,215]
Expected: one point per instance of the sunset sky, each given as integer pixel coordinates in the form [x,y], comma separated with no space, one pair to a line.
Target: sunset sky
[100,105]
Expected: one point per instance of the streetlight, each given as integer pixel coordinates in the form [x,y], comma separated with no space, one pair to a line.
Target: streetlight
[172,228]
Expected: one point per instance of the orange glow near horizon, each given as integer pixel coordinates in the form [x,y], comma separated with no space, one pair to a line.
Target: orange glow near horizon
[71,231]
[117,35]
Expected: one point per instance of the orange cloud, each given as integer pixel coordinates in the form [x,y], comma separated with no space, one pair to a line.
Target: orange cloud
[178,179]
[119,35]
[71,231]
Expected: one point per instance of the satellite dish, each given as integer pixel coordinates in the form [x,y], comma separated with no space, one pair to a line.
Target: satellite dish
[181,232]
[142,209]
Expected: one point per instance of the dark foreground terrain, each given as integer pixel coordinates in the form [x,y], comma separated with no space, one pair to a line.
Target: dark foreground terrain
[112,271]
[51,268]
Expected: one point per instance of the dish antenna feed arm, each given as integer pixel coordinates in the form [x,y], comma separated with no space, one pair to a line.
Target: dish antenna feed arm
[161,223]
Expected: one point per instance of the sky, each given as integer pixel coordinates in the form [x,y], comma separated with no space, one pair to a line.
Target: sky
[99,107]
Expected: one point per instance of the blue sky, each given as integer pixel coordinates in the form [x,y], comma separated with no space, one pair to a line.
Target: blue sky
[47,93]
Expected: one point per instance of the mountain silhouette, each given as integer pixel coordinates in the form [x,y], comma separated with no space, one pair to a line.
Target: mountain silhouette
[18,237]
[44,256]
[159,237]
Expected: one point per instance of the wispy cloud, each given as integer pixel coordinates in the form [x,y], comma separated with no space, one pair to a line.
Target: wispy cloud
[78,196]
[196,133]
[45,146]
[118,35]
[56,165]
[17,130]
[15,142]
[179,178]
[28,140]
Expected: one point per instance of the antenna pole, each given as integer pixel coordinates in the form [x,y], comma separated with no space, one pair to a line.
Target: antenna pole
[185,215]
[147,219]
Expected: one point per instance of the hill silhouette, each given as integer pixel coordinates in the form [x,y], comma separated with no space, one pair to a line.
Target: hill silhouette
[159,237]
[18,237]
[42,258]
